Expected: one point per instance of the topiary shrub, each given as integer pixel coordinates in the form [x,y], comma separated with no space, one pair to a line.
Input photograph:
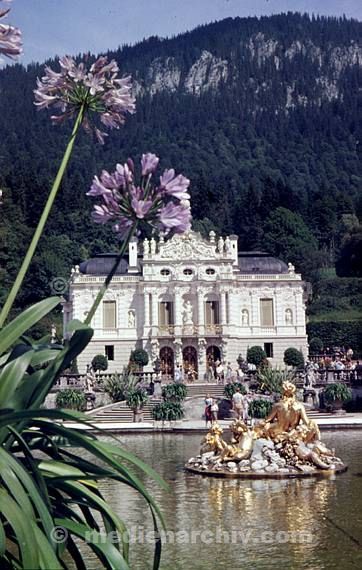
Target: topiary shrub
[139,357]
[315,345]
[260,408]
[230,390]
[71,399]
[99,363]
[256,355]
[293,357]
[174,392]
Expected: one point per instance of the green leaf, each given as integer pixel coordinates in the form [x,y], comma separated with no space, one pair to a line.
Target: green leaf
[11,332]
[110,556]
[24,534]
[11,375]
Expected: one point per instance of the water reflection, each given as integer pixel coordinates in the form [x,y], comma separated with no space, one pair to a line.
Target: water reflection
[261,519]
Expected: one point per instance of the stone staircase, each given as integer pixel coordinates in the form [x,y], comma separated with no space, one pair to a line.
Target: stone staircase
[120,413]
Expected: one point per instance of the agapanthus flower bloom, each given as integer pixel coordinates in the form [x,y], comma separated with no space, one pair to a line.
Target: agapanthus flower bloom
[164,206]
[10,37]
[106,97]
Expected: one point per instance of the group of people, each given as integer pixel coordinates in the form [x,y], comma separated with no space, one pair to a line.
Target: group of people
[223,372]
[240,406]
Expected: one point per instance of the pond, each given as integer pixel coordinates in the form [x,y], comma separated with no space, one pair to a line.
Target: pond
[232,524]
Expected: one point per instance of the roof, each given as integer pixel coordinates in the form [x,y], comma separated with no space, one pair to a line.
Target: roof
[250,262]
[260,262]
[102,264]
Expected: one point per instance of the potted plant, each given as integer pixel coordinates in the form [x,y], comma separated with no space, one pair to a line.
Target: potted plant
[174,392]
[136,399]
[260,408]
[167,411]
[230,390]
[336,394]
[71,399]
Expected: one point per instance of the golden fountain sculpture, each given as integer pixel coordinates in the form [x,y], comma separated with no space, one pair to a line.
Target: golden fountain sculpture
[285,444]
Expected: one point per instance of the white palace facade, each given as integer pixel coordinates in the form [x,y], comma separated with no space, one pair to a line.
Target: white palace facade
[188,300]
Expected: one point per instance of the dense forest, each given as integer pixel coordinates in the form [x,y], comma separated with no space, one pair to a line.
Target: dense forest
[263,115]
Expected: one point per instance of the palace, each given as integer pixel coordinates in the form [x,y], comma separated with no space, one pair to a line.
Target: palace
[188,300]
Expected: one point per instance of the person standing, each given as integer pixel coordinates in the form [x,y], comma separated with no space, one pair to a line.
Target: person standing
[208,404]
[237,403]
[245,408]
[214,412]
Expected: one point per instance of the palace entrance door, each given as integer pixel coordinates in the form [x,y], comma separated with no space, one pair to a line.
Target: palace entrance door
[167,361]
[189,356]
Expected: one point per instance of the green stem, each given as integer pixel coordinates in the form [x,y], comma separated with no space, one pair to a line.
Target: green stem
[39,230]
[110,275]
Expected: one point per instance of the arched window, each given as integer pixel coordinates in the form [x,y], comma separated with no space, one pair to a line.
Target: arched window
[165,272]
[187,271]
[210,271]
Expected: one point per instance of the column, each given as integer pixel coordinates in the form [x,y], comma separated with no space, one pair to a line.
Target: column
[154,310]
[222,307]
[178,307]
[146,299]
[200,311]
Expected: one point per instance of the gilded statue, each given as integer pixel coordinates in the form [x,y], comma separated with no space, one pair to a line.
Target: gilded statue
[286,439]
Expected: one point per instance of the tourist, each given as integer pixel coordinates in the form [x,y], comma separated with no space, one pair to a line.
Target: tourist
[237,403]
[219,372]
[214,412]
[208,404]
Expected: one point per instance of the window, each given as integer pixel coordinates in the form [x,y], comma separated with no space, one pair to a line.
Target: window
[109,351]
[109,314]
[211,313]
[165,314]
[187,271]
[266,313]
[268,348]
[210,271]
[165,272]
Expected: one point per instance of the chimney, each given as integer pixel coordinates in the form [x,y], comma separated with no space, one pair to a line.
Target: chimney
[132,256]
[234,248]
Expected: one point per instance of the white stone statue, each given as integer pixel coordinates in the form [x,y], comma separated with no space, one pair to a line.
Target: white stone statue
[131,319]
[53,334]
[153,246]
[220,245]
[188,312]
[227,245]
[291,268]
[288,316]
[245,317]
[146,248]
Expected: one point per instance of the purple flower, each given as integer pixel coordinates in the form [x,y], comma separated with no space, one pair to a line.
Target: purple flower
[175,217]
[10,37]
[165,207]
[149,163]
[175,186]
[106,99]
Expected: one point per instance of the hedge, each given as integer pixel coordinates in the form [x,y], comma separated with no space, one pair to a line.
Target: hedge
[332,333]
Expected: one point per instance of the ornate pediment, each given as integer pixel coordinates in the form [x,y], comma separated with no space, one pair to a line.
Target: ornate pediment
[187,246]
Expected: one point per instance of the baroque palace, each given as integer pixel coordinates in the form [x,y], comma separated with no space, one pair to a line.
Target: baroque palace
[188,301]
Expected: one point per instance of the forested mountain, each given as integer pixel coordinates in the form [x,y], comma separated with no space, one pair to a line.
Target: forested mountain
[263,115]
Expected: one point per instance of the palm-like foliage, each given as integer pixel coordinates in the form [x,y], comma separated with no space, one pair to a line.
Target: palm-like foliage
[49,495]
[271,379]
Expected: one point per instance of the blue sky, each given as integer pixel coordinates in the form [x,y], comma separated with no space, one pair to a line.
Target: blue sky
[56,27]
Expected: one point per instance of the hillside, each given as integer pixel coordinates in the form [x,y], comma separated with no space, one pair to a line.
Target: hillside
[261,114]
